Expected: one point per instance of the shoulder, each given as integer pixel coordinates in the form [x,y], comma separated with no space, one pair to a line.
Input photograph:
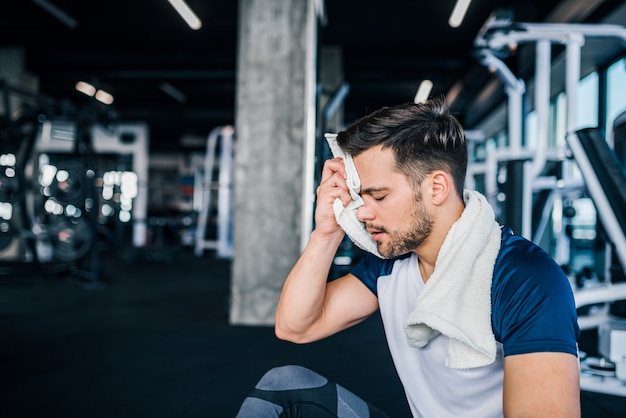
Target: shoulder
[516,248]
[533,306]
[370,268]
[522,262]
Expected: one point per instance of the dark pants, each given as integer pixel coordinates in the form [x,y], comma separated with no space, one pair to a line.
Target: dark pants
[294,391]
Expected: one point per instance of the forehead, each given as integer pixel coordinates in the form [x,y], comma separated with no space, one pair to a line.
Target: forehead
[377,167]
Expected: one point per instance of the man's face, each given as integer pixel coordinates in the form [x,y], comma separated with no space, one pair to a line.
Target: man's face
[393,212]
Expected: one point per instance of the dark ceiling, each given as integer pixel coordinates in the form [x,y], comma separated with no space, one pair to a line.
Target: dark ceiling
[137,49]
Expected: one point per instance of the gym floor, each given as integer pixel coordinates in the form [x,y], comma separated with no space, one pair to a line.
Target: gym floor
[151,338]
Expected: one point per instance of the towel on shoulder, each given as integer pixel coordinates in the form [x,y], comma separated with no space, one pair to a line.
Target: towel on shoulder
[456,299]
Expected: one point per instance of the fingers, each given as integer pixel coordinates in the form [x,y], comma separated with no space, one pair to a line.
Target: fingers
[333,182]
[333,166]
[332,186]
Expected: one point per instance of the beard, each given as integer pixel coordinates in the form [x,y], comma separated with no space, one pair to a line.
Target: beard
[401,242]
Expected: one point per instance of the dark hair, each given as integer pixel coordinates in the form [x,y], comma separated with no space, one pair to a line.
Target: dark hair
[424,136]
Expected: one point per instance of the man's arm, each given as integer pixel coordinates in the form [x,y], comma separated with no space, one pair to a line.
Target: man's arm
[541,385]
[309,308]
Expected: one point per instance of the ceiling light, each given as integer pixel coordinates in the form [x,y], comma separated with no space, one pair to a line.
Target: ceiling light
[89,90]
[104,97]
[458,13]
[57,12]
[186,13]
[86,88]
[173,92]
[423,91]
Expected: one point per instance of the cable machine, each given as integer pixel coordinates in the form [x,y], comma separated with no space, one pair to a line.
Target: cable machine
[549,173]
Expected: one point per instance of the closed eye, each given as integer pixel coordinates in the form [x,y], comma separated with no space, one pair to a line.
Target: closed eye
[376,193]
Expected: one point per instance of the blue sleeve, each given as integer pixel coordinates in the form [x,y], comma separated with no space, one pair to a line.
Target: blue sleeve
[533,308]
[370,268]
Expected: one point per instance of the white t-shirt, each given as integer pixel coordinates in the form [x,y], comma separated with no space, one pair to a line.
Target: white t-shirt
[433,390]
[532,310]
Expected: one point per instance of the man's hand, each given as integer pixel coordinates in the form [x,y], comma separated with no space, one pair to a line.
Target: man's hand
[332,186]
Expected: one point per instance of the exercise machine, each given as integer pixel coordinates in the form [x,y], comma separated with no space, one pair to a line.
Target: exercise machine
[543,179]
[218,176]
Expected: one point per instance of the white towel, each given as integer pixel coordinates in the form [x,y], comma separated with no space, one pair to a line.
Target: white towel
[346,216]
[456,299]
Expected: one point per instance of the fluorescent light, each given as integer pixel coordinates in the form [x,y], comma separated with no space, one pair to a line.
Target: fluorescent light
[458,13]
[104,97]
[58,13]
[173,92]
[423,91]
[86,88]
[186,13]
[89,90]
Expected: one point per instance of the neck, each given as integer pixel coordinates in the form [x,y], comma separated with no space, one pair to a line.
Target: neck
[427,253]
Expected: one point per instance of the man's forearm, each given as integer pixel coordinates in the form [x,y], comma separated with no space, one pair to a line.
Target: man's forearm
[301,302]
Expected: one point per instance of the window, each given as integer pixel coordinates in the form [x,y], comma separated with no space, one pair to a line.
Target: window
[616,86]
[587,102]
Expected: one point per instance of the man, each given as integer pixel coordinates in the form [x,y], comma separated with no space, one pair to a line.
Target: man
[479,322]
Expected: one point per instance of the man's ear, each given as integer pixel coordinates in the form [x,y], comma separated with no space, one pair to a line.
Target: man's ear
[442,187]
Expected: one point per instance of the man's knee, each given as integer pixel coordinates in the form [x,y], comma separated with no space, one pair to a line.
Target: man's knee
[289,378]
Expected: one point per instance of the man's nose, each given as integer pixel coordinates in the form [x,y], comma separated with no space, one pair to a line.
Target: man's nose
[364,214]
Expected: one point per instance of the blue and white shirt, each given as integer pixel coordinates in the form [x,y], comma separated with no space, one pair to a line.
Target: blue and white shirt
[532,310]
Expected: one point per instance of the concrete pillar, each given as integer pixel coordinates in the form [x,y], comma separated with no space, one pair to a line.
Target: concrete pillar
[274,151]
[13,73]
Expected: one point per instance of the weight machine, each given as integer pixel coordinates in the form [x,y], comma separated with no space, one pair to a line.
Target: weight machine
[120,139]
[551,174]
[18,131]
[64,193]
